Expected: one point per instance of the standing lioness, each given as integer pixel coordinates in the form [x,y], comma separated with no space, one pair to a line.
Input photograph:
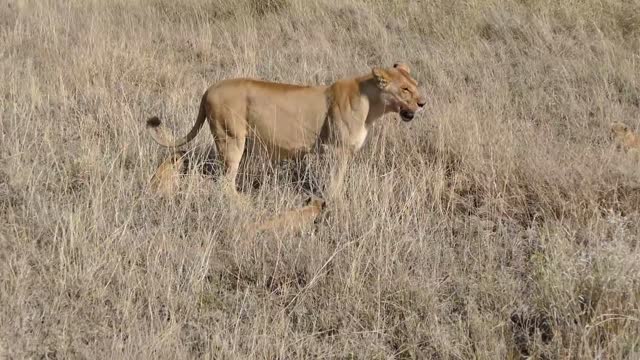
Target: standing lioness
[292,120]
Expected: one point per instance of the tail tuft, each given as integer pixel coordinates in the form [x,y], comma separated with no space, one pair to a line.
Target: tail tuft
[153,122]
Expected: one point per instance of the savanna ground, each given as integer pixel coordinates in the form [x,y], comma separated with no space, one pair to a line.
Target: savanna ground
[498,224]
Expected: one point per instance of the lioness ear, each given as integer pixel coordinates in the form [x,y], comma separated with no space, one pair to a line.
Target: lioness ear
[403,67]
[381,77]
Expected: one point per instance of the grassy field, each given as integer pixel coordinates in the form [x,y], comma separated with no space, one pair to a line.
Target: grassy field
[500,223]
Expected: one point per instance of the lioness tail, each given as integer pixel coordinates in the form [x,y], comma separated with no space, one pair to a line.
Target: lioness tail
[162,135]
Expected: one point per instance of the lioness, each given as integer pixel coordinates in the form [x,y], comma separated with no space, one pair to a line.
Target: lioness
[292,120]
[625,138]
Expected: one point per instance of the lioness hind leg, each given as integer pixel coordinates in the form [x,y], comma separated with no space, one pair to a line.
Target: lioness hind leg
[230,150]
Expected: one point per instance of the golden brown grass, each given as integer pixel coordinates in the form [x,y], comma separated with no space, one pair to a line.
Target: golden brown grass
[499,224]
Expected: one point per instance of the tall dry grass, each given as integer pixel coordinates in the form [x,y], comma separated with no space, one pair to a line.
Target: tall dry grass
[500,224]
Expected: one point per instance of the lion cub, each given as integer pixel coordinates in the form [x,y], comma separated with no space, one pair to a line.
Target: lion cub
[166,179]
[625,138]
[293,219]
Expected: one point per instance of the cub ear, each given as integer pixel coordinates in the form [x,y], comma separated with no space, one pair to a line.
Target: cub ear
[323,204]
[619,126]
[381,77]
[403,67]
[316,201]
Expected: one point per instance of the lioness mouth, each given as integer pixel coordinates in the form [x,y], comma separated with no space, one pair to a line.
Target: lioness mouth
[407,115]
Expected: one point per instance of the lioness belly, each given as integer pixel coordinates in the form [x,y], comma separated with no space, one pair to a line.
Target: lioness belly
[278,152]
[285,136]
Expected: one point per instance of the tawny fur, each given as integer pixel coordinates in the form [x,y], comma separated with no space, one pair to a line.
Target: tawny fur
[292,120]
[292,219]
[166,179]
[625,138]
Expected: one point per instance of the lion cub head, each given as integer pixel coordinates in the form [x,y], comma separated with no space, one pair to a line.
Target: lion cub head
[624,137]
[166,179]
[400,91]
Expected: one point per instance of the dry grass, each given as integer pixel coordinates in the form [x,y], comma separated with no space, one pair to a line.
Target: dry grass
[498,224]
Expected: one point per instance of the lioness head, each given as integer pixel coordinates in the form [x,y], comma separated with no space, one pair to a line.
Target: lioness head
[400,91]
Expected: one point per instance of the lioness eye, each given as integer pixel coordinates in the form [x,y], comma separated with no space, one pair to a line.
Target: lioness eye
[405,89]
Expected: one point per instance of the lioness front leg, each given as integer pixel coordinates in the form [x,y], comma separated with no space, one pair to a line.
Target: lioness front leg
[339,159]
